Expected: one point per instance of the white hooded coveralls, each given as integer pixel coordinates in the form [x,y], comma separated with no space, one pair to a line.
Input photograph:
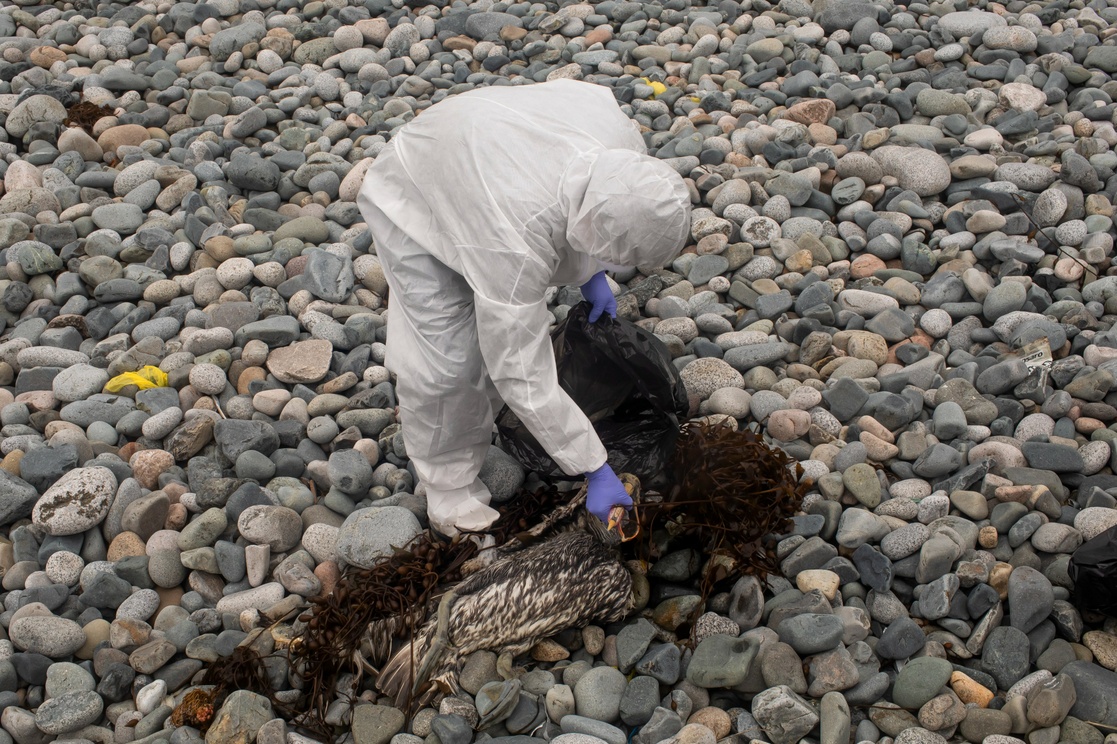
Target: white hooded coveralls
[476,207]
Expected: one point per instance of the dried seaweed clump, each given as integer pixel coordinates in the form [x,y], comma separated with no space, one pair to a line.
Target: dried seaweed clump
[241,670]
[394,594]
[524,512]
[85,114]
[730,491]
[196,709]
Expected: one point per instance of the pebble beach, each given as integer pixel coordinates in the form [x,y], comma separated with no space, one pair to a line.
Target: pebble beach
[901,268]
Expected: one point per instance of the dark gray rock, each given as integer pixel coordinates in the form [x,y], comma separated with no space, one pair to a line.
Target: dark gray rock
[17,498]
[663,662]
[1030,598]
[812,634]
[1096,690]
[236,436]
[252,172]
[633,642]
[901,639]
[640,699]
[1006,655]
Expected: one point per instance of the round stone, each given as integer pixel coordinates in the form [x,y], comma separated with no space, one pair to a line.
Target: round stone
[77,501]
[122,217]
[235,273]
[53,637]
[598,693]
[208,379]
[278,527]
[1094,520]
[923,171]
[703,377]
[64,568]
[69,712]
[920,680]
[369,534]
[936,322]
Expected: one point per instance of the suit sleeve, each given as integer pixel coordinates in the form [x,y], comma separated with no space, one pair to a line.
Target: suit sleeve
[512,329]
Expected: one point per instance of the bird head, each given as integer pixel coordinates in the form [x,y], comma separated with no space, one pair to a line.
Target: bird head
[623,524]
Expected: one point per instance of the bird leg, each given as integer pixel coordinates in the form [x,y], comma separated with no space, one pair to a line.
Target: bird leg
[439,643]
[488,553]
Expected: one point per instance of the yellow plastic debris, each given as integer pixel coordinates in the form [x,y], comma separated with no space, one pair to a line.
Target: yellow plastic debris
[147,377]
[657,87]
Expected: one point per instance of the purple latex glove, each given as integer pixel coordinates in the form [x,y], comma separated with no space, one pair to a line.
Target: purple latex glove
[605,491]
[597,293]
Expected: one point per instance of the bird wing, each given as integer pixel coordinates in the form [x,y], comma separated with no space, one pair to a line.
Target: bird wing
[396,679]
[567,581]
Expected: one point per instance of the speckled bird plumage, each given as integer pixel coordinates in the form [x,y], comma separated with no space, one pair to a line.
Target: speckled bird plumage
[564,573]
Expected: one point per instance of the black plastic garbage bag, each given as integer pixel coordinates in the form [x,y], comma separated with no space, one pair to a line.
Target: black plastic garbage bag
[622,378]
[1093,569]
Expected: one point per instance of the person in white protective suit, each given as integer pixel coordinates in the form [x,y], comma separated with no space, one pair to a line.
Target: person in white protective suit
[476,207]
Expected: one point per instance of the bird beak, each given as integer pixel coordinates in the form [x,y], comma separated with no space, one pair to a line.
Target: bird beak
[618,517]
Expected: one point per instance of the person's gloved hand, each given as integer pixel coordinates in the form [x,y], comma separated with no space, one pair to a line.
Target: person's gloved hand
[597,293]
[605,491]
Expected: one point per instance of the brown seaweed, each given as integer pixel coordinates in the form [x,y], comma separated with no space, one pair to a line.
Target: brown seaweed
[397,590]
[243,669]
[85,114]
[196,709]
[730,492]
